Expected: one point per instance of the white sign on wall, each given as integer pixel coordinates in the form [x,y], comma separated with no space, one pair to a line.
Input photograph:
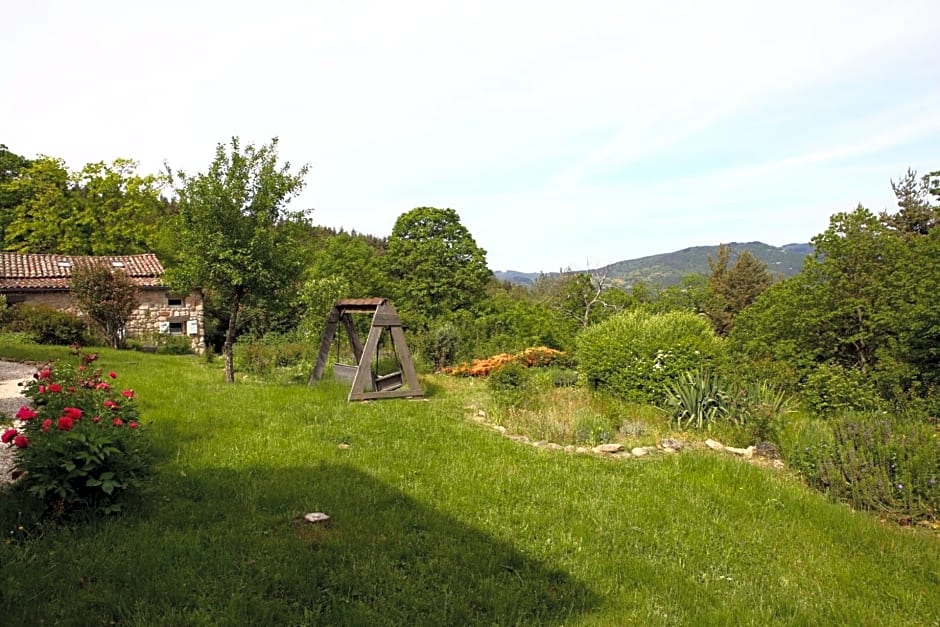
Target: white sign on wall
[192,327]
[164,326]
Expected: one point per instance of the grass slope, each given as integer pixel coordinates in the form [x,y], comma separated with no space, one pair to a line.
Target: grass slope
[440,522]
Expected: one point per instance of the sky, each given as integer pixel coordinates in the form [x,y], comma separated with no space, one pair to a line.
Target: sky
[564,134]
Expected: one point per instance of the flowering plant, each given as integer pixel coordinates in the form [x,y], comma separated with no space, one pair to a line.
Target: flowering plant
[80,444]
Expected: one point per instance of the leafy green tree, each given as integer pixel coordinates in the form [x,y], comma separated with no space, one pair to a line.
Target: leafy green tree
[11,164]
[108,296]
[434,264]
[732,287]
[690,294]
[342,265]
[101,210]
[234,231]
[41,221]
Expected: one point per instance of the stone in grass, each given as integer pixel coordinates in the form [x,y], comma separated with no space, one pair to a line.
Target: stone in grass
[714,445]
[639,451]
[671,443]
[317,518]
[743,452]
[608,448]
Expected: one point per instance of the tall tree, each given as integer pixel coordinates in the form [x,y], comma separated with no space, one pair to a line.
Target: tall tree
[233,230]
[100,210]
[435,264]
[732,287]
[107,295]
[916,215]
[11,164]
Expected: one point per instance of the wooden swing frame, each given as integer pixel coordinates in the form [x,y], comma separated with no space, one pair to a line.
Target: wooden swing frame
[367,385]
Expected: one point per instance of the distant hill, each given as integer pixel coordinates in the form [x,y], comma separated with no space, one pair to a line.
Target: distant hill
[669,268]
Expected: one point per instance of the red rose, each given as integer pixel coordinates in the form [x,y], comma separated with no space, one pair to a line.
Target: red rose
[96,419]
[71,390]
[117,422]
[112,374]
[42,389]
[103,386]
[25,413]
[46,424]
[111,404]
[8,435]
[133,424]
[73,412]
[21,441]
[128,393]
[65,423]
[55,388]
[45,373]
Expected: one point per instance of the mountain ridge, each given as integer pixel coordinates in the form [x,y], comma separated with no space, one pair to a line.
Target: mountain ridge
[666,269]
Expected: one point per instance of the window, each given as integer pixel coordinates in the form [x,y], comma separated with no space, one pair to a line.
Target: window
[174,301]
[176,328]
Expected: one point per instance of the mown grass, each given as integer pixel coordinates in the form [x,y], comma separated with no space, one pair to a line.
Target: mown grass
[437,521]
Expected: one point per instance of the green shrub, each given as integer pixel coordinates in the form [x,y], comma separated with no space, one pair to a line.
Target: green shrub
[872,461]
[440,345]
[635,354]
[509,384]
[81,446]
[47,325]
[832,389]
[591,428]
[174,345]
[263,356]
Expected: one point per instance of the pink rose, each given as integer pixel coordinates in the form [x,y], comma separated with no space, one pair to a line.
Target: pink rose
[112,374]
[55,388]
[21,441]
[8,435]
[133,424]
[128,393]
[65,423]
[46,424]
[117,422]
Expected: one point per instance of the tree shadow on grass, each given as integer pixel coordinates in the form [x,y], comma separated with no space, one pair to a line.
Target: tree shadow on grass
[384,559]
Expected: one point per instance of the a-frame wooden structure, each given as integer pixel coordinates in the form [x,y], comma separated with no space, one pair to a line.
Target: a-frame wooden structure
[365,384]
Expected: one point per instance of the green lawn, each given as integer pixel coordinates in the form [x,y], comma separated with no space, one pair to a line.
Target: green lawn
[438,521]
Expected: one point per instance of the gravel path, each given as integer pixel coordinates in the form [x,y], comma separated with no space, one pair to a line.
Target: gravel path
[11,398]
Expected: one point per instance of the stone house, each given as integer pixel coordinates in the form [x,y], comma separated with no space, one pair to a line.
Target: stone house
[44,279]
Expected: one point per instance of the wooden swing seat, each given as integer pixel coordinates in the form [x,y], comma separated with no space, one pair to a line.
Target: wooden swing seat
[366,384]
[345,372]
[389,382]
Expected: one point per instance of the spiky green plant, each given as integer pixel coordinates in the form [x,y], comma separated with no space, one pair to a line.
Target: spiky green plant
[697,399]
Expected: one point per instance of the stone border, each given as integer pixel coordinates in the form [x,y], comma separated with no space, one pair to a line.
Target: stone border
[668,446]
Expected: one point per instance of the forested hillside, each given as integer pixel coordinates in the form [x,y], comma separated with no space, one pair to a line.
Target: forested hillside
[669,269]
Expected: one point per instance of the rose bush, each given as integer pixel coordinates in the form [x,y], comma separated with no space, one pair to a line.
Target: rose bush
[80,445]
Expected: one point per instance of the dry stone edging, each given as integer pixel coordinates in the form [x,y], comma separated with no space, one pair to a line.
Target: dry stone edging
[614,450]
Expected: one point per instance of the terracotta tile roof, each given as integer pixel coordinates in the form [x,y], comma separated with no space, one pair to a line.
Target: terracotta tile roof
[52,272]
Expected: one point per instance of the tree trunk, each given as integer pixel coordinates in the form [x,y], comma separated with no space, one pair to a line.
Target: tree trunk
[230,341]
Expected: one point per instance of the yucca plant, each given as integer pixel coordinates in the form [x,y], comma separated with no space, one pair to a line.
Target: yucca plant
[696,399]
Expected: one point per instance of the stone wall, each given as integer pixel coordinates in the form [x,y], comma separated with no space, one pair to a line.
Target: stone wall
[158,313]
[161,313]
